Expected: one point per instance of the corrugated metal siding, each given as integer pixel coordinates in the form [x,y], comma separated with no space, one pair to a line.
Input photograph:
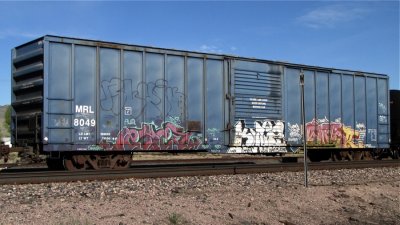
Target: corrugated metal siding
[257,91]
[49,76]
[131,99]
[342,110]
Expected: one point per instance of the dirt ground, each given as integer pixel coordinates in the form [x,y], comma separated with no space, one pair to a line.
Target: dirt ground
[363,196]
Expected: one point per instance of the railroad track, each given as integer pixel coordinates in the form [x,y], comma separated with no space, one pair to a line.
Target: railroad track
[43,175]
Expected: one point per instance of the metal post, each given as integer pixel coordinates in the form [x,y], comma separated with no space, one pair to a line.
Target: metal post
[303,121]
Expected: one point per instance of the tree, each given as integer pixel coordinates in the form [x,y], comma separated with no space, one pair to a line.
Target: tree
[7,119]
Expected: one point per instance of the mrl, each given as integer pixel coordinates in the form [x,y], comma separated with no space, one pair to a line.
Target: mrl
[83,109]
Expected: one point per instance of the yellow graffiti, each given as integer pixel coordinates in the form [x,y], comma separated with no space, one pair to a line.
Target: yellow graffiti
[349,135]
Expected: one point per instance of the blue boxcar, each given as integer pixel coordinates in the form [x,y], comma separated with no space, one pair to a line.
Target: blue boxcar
[81,95]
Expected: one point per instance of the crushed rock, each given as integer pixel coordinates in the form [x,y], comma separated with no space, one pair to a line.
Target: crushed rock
[348,196]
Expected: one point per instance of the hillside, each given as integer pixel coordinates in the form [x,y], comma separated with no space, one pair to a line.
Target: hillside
[3,131]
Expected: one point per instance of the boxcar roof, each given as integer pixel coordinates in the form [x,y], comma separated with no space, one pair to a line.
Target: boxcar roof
[117,45]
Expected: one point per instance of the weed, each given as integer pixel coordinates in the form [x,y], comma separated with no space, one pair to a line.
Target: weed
[177,219]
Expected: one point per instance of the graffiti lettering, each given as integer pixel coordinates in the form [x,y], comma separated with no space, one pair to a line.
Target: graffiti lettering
[149,136]
[149,96]
[336,133]
[264,133]
[294,133]
[265,136]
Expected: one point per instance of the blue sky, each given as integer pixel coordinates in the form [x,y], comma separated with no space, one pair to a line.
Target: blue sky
[359,35]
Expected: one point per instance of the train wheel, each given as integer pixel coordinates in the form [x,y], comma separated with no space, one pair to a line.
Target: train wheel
[75,163]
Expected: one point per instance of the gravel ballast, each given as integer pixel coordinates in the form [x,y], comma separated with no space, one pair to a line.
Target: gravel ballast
[349,196]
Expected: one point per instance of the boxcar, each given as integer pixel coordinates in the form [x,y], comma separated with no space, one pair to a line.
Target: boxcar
[74,96]
[395,121]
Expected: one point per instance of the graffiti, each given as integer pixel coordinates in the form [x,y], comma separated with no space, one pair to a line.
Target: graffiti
[129,122]
[335,133]
[264,133]
[294,133]
[265,136]
[383,119]
[362,131]
[382,108]
[214,140]
[175,120]
[61,121]
[257,149]
[149,136]
[94,148]
[149,96]
[372,134]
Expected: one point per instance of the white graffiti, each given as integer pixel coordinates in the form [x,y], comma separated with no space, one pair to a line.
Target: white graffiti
[265,136]
[361,129]
[382,108]
[294,132]
[383,119]
[372,134]
[61,122]
[255,149]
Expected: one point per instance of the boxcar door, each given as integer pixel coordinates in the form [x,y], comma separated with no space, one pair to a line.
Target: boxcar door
[257,121]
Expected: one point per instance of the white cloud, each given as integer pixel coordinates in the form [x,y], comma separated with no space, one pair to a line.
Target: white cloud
[12,33]
[332,15]
[210,48]
[217,49]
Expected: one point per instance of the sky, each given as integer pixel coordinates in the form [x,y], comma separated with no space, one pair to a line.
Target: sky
[357,35]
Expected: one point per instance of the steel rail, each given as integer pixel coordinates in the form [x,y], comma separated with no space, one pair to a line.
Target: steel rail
[163,170]
[269,159]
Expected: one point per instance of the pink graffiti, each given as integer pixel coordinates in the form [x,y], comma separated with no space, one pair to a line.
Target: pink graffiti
[150,137]
[325,132]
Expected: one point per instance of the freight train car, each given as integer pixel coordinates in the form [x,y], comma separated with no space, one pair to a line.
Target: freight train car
[92,103]
[395,122]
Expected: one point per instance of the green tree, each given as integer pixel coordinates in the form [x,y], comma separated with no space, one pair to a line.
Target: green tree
[7,119]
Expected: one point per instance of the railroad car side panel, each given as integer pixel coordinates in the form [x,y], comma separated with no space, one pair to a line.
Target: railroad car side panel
[342,109]
[135,99]
[81,95]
